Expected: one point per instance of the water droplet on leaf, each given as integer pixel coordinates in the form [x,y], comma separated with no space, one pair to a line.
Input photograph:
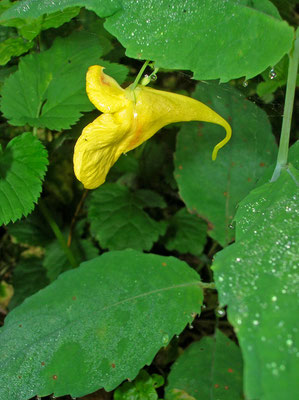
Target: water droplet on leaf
[220,312]
[165,339]
[272,74]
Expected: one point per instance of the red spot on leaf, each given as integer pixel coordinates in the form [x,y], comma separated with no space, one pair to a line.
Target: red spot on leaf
[216,385]
[226,387]
[225,194]
[230,370]
[74,298]
[249,179]
[42,363]
[180,167]
[113,365]
[54,377]
[262,164]
[20,326]
[164,264]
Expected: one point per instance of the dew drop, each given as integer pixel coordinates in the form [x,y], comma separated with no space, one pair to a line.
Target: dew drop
[274,298]
[153,77]
[245,83]
[220,312]
[255,322]
[272,74]
[165,339]
[191,326]
[289,342]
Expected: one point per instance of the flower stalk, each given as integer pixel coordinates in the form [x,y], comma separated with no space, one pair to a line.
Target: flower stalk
[282,157]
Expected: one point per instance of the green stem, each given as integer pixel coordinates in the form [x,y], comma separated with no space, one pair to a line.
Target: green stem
[55,228]
[138,77]
[206,285]
[283,150]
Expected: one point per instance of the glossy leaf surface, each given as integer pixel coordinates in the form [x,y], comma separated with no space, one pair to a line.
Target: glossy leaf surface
[257,278]
[96,325]
[176,34]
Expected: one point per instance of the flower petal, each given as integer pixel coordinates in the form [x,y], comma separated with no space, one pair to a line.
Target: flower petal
[99,147]
[103,91]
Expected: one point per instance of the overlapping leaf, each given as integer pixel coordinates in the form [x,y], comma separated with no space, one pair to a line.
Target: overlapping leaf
[29,276]
[13,47]
[208,369]
[29,28]
[142,388]
[118,220]
[212,40]
[96,325]
[257,278]
[214,188]
[186,233]
[22,167]
[48,90]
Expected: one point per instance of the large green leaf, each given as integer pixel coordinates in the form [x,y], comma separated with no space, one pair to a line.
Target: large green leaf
[96,325]
[118,220]
[50,86]
[208,369]
[22,167]
[214,188]
[212,40]
[257,278]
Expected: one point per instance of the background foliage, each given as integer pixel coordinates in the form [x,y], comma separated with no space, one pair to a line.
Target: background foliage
[126,287]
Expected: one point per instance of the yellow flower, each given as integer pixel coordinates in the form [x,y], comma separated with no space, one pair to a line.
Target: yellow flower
[129,118]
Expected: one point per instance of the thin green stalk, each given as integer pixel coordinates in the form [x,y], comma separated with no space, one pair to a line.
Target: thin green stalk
[138,77]
[55,228]
[206,285]
[283,150]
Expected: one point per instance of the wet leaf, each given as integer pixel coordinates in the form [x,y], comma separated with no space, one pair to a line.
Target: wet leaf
[208,369]
[96,325]
[257,278]
[189,35]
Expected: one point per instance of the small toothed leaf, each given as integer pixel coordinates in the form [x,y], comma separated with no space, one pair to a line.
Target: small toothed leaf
[22,167]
